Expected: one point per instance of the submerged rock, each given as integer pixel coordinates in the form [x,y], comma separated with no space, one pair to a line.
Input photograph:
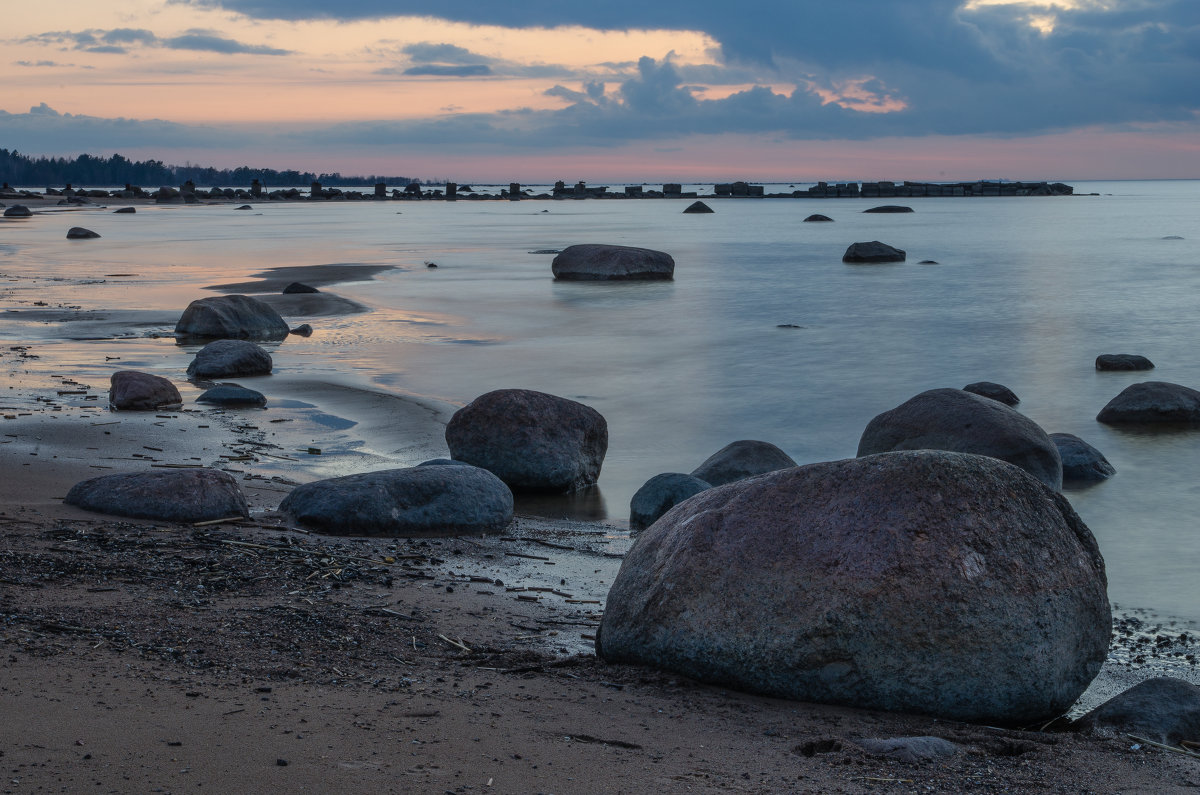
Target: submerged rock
[530,440]
[889,208]
[742,459]
[660,494]
[130,390]
[79,233]
[925,581]
[1153,402]
[431,500]
[231,317]
[599,262]
[951,419]
[1123,361]
[229,359]
[872,252]
[817,218]
[1081,463]
[177,495]
[233,395]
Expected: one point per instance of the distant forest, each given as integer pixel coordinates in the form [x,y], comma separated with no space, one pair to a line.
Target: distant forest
[91,171]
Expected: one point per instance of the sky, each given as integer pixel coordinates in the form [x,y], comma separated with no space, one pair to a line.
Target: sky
[538,90]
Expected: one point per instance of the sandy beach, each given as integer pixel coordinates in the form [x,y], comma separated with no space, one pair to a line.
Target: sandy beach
[254,655]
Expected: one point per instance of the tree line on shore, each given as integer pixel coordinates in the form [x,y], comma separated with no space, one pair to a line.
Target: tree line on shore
[19,169]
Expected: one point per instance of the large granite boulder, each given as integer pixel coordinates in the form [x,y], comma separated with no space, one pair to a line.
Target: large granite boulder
[1081,463]
[174,495]
[660,494]
[130,390]
[531,440]
[1123,361]
[600,262]
[872,252]
[230,358]
[428,500]
[742,459]
[923,581]
[1162,710]
[231,317]
[1153,402]
[951,419]
[990,389]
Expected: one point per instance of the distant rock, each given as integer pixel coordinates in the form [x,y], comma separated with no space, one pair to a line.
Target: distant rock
[303,330]
[1081,463]
[1123,361]
[233,396]
[1173,237]
[231,317]
[872,252]
[79,233]
[244,207]
[698,207]
[742,459]
[940,583]
[599,262]
[130,390]
[660,494]
[928,262]
[531,440]
[416,501]
[18,211]
[1162,710]
[297,287]
[230,358]
[125,210]
[817,218]
[1153,402]
[889,208]
[951,419]
[176,495]
[990,389]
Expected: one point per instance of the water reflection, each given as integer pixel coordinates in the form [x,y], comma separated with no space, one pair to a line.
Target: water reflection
[582,505]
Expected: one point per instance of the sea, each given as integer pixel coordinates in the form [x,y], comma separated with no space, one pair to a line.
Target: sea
[764,333]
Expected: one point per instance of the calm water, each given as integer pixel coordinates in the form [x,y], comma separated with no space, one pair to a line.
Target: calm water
[1026,292]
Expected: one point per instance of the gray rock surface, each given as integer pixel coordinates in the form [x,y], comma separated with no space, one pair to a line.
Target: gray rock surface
[925,581]
[817,218]
[231,317]
[130,390]
[600,262]
[230,358]
[698,207]
[176,495]
[1081,463]
[428,500]
[233,395]
[872,252]
[17,211]
[951,419]
[742,459]
[1162,709]
[79,233]
[660,494]
[1153,402]
[1123,361]
[990,389]
[531,440]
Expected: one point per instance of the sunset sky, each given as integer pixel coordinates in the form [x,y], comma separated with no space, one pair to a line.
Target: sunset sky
[537,90]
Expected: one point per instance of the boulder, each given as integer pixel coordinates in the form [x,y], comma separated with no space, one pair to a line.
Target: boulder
[817,218]
[1123,361]
[125,210]
[303,330]
[942,583]
[17,211]
[660,494]
[130,390]
[79,233]
[994,391]
[531,440]
[1081,463]
[230,358]
[233,396]
[889,208]
[231,317]
[742,459]
[1162,710]
[698,207]
[598,262]
[873,251]
[1153,402]
[175,495]
[414,501]
[297,287]
[951,419]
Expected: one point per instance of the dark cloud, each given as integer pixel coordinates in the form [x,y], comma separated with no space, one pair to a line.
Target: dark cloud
[447,70]
[209,43]
[115,41]
[428,52]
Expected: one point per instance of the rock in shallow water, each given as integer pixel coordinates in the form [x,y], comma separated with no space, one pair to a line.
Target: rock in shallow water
[181,495]
[873,252]
[1081,463]
[1153,402]
[79,233]
[599,262]
[942,583]
[1123,361]
[231,317]
[234,396]
[742,459]
[660,494]
[130,390]
[990,389]
[230,358]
